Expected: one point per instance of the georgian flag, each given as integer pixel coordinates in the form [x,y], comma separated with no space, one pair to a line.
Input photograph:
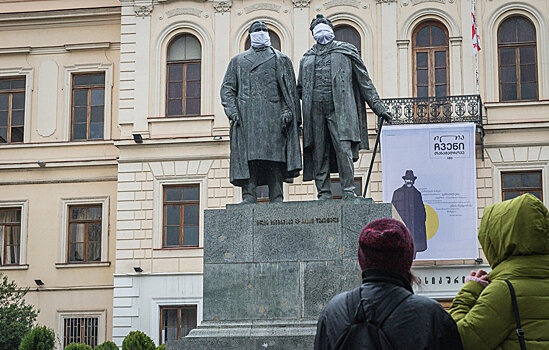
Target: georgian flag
[476,36]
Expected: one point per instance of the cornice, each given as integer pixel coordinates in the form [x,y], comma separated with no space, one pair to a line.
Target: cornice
[59,49]
[59,18]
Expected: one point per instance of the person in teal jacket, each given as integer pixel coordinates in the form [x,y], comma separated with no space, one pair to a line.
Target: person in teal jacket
[515,238]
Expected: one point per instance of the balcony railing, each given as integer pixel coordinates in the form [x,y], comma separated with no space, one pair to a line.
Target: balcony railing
[447,109]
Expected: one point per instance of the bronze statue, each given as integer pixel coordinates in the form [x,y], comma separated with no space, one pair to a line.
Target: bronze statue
[260,99]
[334,85]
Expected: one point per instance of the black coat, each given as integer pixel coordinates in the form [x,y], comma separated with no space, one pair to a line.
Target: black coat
[418,323]
[409,204]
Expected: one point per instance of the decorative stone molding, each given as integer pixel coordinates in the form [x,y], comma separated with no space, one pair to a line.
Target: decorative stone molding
[143,11]
[334,3]
[416,2]
[262,6]
[222,6]
[301,3]
[184,11]
[387,1]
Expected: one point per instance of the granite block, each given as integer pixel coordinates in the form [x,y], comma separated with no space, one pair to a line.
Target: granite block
[244,343]
[228,237]
[354,217]
[297,232]
[251,291]
[325,279]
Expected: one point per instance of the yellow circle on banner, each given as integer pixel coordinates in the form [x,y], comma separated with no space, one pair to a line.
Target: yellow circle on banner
[431,222]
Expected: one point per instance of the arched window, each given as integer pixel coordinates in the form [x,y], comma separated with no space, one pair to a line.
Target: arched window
[275,41]
[344,32]
[430,50]
[183,92]
[517,60]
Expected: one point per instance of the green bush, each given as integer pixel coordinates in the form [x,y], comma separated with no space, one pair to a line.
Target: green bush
[108,345]
[39,338]
[16,317]
[161,347]
[78,346]
[137,340]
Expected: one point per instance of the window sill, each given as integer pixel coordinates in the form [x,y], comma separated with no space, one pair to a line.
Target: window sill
[181,118]
[178,248]
[516,104]
[83,264]
[14,267]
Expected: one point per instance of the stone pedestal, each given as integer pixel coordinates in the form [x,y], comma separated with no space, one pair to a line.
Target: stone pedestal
[270,268]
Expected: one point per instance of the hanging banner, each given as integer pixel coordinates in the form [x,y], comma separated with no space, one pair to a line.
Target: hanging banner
[429,175]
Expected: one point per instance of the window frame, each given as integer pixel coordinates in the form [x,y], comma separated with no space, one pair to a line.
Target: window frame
[23,205]
[158,212]
[430,50]
[28,74]
[86,233]
[517,46]
[68,72]
[515,166]
[88,89]
[10,93]
[522,190]
[179,308]
[4,239]
[63,256]
[157,302]
[182,203]
[66,314]
[185,63]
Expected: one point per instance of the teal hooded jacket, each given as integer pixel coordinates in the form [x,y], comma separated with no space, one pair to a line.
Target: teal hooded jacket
[515,237]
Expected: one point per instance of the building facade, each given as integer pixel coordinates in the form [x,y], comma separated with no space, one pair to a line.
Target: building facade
[59,65]
[163,157]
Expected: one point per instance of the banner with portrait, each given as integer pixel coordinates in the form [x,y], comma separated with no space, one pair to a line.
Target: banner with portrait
[429,175]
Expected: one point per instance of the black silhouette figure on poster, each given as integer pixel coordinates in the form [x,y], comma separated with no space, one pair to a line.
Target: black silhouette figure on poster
[409,204]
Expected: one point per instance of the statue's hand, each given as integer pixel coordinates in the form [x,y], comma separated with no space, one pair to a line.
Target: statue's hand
[386,116]
[235,118]
[287,118]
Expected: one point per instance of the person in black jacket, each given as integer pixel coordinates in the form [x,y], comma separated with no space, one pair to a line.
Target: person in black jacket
[385,254]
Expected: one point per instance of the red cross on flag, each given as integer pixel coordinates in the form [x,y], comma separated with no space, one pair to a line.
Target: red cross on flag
[476,36]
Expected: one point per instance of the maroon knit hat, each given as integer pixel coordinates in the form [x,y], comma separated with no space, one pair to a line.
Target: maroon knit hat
[386,244]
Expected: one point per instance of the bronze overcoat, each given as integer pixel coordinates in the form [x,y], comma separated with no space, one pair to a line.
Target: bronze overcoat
[352,88]
[260,91]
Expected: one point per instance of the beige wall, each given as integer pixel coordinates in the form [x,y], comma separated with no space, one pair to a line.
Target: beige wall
[46,43]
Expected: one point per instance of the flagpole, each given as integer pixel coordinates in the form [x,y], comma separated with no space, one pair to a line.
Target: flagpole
[476,43]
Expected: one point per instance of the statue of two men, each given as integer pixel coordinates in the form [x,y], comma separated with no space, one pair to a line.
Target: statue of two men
[261,98]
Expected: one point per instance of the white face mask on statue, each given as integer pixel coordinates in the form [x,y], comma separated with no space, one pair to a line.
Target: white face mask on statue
[260,39]
[323,33]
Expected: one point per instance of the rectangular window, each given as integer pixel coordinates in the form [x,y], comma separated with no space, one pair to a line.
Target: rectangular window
[176,321]
[10,236]
[88,106]
[85,233]
[12,109]
[337,192]
[516,183]
[80,330]
[183,88]
[181,215]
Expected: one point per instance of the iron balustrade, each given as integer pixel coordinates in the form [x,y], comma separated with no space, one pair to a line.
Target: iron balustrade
[446,109]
